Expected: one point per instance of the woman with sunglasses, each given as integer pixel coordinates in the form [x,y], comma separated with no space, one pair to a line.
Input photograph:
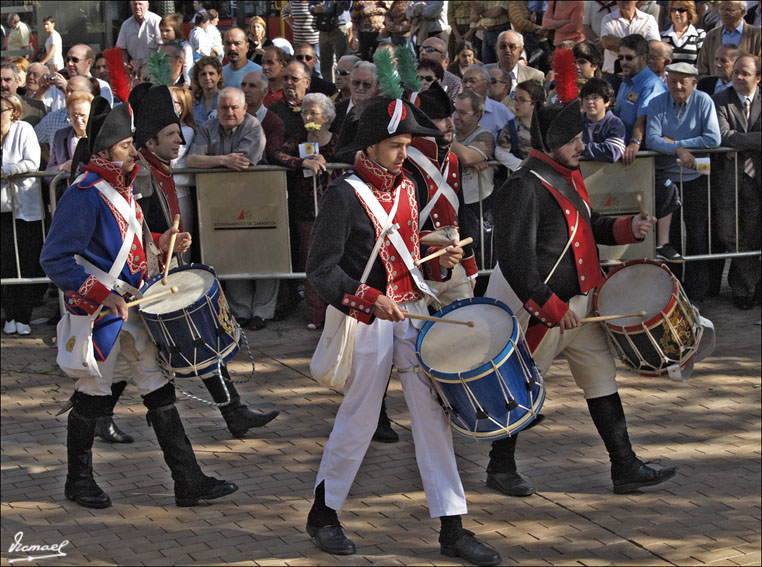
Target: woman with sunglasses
[684,39]
[428,72]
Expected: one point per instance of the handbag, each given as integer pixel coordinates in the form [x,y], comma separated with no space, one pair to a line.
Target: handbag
[331,362]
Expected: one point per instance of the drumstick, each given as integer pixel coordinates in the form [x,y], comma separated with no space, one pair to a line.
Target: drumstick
[643,212]
[436,319]
[173,289]
[442,251]
[171,248]
[610,317]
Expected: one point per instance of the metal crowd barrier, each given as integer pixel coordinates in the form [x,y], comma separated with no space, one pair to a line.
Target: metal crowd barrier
[58,177]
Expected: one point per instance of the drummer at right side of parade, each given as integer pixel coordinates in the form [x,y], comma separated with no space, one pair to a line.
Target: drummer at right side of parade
[95,253]
[546,248]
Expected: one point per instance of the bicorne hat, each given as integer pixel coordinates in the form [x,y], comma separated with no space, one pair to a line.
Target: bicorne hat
[434,102]
[154,111]
[106,126]
[555,125]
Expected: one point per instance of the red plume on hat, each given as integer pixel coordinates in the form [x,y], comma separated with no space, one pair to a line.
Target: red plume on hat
[120,83]
[565,75]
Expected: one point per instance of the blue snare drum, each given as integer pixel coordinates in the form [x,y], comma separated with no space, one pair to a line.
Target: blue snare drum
[485,377]
[192,328]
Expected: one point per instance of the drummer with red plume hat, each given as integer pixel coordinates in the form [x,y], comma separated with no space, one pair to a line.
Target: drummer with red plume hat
[95,253]
[375,202]
[548,269]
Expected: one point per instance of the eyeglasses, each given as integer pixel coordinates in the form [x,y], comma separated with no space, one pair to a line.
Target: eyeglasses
[78,116]
[626,57]
[427,78]
[511,46]
[729,9]
[291,79]
[464,112]
[343,72]
[72,59]
[679,10]
[431,49]
[365,84]
[522,100]
[494,80]
[304,57]
[469,80]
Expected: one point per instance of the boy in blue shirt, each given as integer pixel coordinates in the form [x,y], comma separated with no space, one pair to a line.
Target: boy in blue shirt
[604,132]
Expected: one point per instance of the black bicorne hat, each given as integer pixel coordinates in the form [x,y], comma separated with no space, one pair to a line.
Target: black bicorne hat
[384,118]
[434,102]
[154,111]
[555,125]
[107,126]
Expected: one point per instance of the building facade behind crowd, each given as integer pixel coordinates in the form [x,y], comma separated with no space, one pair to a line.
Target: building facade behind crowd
[648,71]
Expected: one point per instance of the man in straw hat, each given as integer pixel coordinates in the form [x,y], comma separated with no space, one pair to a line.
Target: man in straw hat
[98,231]
[550,260]
[354,215]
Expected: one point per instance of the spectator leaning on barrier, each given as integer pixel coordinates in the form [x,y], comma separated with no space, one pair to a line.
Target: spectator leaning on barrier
[724,58]
[274,61]
[139,34]
[296,77]
[515,140]
[475,146]
[733,30]
[254,87]
[207,84]
[603,135]
[21,154]
[683,118]
[738,113]
[684,39]
[32,111]
[235,51]
[234,139]
[659,56]
[639,86]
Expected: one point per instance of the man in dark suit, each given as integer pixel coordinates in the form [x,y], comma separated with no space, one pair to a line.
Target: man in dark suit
[724,58]
[738,113]
[733,30]
[362,86]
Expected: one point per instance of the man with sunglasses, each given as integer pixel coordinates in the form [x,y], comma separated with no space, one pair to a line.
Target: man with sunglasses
[343,70]
[305,53]
[626,20]
[510,45]
[434,49]
[236,46]
[362,86]
[499,85]
[79,60]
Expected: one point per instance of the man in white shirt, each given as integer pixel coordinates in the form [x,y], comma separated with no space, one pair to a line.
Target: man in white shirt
[139,34]
[626,20]
[53,44]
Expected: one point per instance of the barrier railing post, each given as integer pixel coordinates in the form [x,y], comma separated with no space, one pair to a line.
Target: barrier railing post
[481,220]
[735,188]
[314,192]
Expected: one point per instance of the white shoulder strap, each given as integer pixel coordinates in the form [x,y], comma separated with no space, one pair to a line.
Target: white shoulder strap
[443,187]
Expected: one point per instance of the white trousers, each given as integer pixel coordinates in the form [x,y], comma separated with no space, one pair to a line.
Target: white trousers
[133,357]
[377,347]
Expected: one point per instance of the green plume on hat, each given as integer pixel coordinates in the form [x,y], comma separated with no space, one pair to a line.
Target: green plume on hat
[388,78]
[407,68]
[159,69]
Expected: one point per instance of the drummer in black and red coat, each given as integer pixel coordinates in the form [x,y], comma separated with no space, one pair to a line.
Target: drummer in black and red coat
[546,214]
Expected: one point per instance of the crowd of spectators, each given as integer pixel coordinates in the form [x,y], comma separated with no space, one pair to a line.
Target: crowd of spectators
[675,77]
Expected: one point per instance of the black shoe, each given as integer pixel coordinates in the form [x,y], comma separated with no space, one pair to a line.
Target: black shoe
[668,253]
[241,419]
[641,475]
[211,489]
[106,430]
[243,322]
[471,550]
[743,303]
[331,539]
[510,483]
[384,432]
[87,493]
[256,323]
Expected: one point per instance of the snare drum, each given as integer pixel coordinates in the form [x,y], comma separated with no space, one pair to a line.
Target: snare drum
[193,328]
[670,333]
[484,376]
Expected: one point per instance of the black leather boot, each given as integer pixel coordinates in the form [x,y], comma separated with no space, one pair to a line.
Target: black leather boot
[80,485]
[628,473]
[502,474]
[324,528]
[237,416]
[384,432]
[105,428]
[455,541]
[191,485]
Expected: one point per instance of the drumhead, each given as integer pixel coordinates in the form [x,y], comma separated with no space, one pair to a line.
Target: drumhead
[456,348]
[193,283]
[638,287]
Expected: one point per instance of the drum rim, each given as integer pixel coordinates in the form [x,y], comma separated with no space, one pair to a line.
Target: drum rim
[215,287]
[653,321]
[490,435]
[480,370]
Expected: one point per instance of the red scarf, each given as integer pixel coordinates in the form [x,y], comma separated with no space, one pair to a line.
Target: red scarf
[160,171]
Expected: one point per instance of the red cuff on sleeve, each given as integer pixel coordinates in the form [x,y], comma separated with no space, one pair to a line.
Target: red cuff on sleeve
[623,231]
[361,304]
[469,264]
[156,236]
[550,313]
[433,271]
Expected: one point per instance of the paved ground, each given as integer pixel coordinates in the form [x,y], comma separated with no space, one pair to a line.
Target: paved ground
[710,513]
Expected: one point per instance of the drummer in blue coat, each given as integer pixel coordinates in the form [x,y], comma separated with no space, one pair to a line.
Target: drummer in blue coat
[546,248]
[96,222]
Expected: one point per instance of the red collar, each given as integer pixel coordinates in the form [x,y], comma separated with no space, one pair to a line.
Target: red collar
[113,174]
[373,173]
[573,176]
[157,164]
[427,146]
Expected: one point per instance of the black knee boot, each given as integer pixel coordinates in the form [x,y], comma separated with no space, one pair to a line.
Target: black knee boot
[628,473]
[502,474]
[191,485]
[237,416]
[80,484]
[384,432]
[105,428]
[324,528]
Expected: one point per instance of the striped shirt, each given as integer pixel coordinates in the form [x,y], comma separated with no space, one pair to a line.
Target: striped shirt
[684,49]
[303,25]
